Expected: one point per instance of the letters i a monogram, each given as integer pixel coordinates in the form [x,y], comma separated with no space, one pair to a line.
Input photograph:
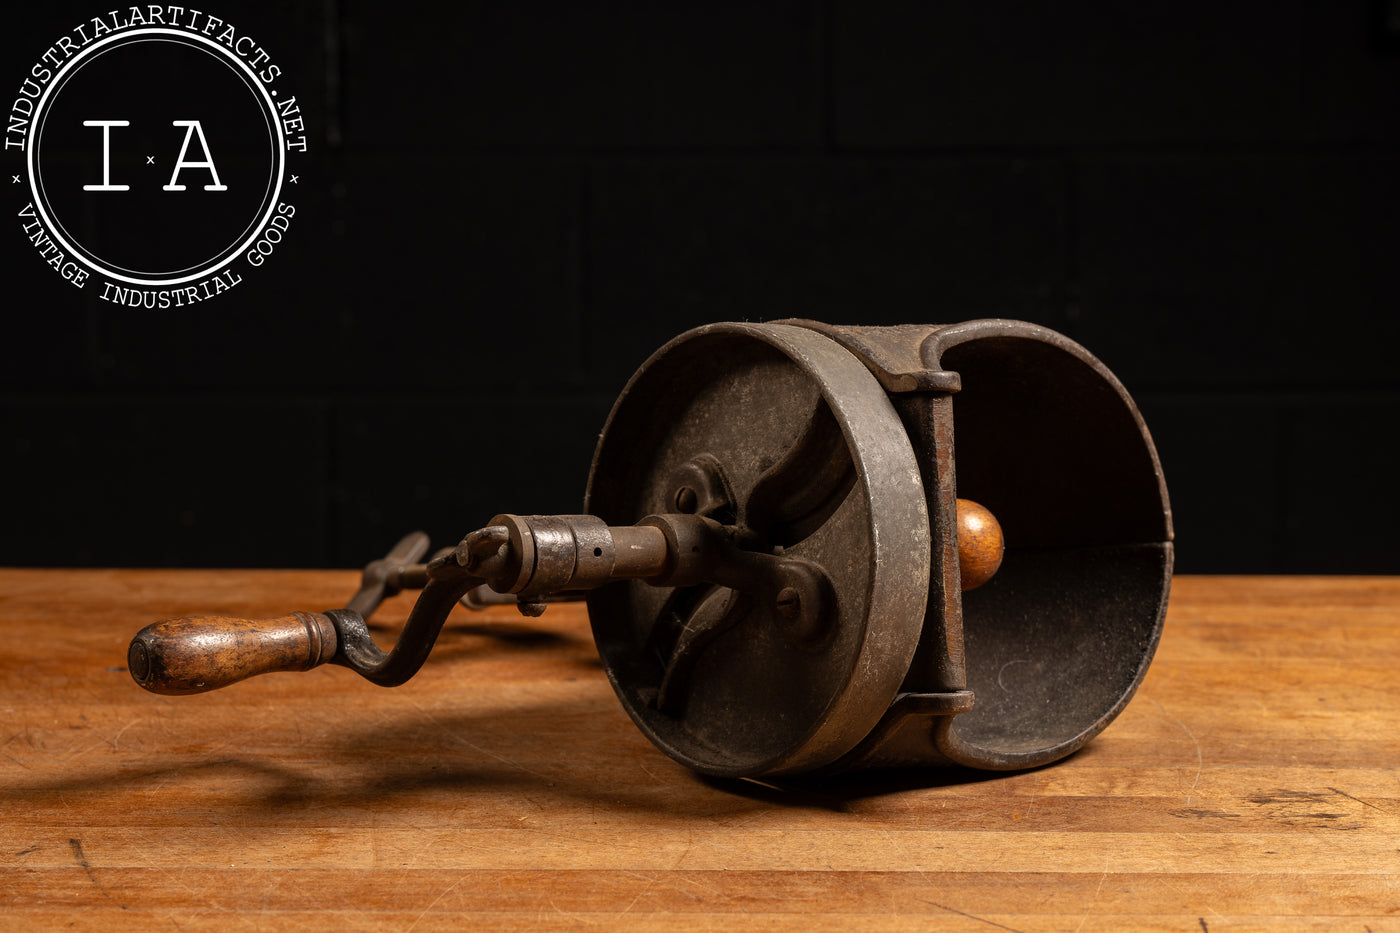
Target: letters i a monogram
[192,128]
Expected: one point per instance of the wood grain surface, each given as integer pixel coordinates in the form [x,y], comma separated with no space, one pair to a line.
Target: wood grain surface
[1253,783]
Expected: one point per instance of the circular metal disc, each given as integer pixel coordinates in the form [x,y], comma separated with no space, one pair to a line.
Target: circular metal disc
[806,455]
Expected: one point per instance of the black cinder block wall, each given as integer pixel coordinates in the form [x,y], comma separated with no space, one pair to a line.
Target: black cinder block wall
[509,205]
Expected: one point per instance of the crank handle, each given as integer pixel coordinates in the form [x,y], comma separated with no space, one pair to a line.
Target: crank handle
[532,557]
[195,654]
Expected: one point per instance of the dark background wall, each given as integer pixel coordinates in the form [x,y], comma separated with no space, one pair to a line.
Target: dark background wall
[509,205]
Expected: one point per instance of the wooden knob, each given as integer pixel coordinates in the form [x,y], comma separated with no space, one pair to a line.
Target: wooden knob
[980,544]
[199,653]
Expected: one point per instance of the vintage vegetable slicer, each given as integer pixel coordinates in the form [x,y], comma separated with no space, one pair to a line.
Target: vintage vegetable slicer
[786,563]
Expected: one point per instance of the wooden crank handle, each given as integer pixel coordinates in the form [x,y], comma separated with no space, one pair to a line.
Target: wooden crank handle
[194,654]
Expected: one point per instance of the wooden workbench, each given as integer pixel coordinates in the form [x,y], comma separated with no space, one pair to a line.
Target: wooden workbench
[1254,781]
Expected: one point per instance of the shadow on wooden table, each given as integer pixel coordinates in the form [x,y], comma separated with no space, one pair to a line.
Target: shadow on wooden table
[836,792]
[579,753]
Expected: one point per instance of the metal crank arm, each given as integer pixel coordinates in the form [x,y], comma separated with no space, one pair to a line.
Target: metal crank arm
[195,654]
[531,557]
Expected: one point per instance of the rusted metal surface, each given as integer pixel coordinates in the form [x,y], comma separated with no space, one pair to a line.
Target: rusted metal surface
[773,560]
[817,463]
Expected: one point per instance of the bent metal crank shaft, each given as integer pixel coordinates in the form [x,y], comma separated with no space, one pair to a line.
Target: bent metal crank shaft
[533,557]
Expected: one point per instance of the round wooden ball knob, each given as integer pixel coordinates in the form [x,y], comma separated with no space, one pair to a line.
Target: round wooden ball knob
[980,544]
